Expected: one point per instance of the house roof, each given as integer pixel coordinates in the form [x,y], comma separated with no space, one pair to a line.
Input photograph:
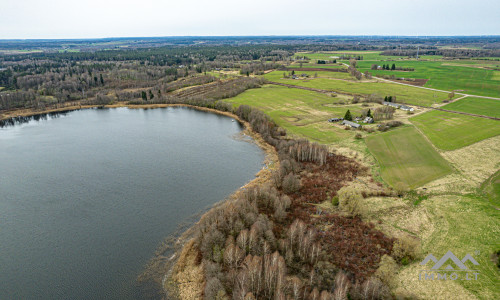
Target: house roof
[352,124]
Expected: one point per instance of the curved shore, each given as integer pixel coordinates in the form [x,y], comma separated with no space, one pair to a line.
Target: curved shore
[173,263]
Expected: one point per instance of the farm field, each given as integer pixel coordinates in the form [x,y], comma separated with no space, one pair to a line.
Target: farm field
[406,94]
[312,65]
[320,74]
[442,75]
[302,113]
[406,156]
[479,106]
[450,131]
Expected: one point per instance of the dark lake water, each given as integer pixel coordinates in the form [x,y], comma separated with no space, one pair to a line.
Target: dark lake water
[86,198]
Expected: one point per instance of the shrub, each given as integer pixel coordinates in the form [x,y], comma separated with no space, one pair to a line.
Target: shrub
[406,249]
[214,289]
[291,183]
[387,270]
[350,201]
[335,201]
[358,136]
[394,123]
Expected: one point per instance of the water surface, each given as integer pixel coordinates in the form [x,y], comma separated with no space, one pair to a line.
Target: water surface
[86,198]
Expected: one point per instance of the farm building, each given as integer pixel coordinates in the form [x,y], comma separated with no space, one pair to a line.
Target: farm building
[397,105]
[407,108]
[335,119]
[368,120]
[352,124]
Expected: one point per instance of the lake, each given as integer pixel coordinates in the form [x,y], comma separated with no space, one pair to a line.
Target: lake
[87,197]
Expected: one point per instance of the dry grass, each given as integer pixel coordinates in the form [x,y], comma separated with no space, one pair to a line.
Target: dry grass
[408,283]
[188,274]
[478,161]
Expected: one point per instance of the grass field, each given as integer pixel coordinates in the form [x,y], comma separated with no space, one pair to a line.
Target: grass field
[491,187]
[441,75]
[450,131]
[302,113]
[320,74]
[406,156]
[407,94]
[472,76]
[479,106]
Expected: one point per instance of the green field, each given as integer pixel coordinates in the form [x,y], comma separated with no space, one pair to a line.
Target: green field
[406,94]
[445,75]
[302,113]
[491,187]
[320,74]
[406,156]
[466,224]
[479,106]
[472,76]
[450,131]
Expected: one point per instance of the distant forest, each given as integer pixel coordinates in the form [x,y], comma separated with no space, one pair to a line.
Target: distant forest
[38,74]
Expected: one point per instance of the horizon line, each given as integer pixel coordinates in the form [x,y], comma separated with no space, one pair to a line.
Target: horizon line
[254,36]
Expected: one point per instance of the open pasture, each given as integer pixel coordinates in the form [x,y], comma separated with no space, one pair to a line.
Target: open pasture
[441,75]
[302,113]
[406,156]
[406,94]
[450,131]
[479,106]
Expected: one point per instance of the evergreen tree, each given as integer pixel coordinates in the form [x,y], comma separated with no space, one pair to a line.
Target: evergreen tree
[102,80]
[369,114]
[389,98]
[348,116]
[393,67]
[144,96]
[385,99]
[151,96]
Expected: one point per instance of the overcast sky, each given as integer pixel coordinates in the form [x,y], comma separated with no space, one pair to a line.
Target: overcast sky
[141,18]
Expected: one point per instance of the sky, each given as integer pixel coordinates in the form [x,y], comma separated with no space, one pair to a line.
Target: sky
[28,19]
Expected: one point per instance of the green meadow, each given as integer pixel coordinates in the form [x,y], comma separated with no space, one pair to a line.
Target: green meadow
[406,94]
[302,113]
[406,156]
[441,75]
[450,131]
[479,106]
[491,187]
